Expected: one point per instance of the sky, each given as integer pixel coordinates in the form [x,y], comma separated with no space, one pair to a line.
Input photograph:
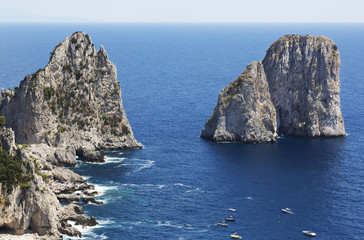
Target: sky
[184,11]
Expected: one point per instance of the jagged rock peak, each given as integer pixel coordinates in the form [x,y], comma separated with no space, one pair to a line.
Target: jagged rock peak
[299,83]
[75,101]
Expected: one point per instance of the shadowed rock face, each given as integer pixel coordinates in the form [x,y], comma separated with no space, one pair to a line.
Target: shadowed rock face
[244,111]
[73,103]
[296,92]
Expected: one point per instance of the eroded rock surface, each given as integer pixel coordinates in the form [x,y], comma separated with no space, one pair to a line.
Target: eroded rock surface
[71,107]
[74,103]
[293,91]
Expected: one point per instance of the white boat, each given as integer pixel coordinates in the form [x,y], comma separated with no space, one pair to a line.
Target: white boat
[231,219]
[222,224]
[309,233]
[232,209]
[287,210]
[236,236]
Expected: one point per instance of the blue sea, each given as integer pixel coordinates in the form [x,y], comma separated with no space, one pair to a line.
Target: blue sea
[179,185]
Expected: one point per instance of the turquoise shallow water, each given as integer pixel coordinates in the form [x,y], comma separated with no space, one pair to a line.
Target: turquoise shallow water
[179,185]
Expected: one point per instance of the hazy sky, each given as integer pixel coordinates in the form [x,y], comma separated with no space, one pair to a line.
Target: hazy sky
[182,11]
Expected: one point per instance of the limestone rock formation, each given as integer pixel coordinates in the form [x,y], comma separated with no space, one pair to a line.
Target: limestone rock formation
[244,111]
[293,91]
[27,202]
[71,107]
[74,103]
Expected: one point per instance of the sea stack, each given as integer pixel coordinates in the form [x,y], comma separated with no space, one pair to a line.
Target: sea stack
[294,91]
[73,103]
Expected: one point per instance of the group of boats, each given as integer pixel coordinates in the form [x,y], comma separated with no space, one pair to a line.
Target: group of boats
[224,223]
[306,232]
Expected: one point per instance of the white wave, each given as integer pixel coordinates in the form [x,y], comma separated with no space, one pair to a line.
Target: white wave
[86,231]
[148,164]
[107,161]
[196,189]
[143,164]
[114,159]
[182,185]
[167,224]
[142,185]
[86,177]
[101,189]
[191,189]
[105,222]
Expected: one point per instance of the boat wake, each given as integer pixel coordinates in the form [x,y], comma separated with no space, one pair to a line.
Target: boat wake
[168,224]
[136,165]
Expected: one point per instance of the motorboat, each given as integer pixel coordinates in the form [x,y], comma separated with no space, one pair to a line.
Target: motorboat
[309,233]
[222,224]
[231,219]
[287,210]
[232,209]
[236,236]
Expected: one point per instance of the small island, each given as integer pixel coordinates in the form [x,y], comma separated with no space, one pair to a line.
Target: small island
[293,91]
[70,108]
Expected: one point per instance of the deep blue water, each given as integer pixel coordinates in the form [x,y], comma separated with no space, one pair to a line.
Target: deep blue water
[170,77]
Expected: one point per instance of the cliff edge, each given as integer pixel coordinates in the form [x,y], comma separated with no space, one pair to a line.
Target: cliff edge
[294,90]
[74,103]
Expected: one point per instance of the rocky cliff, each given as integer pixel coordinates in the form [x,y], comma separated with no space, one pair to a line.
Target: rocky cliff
[71,107]
[74,103]
[293,91]
[27,201]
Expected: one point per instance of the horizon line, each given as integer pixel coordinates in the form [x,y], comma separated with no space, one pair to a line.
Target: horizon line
[95,22]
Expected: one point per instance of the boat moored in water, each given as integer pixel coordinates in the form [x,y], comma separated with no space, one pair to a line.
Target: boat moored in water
[309,233]
[287,210]
[231,219]
[232,209]
[222,224]
[236,236]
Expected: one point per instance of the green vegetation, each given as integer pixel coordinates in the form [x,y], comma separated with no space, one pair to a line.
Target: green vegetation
[2,121]
[78,46]
[126,130]
[36,165]
[74,40]
[11,172]
[24,185]
[45,133]
[9,93]
[25,146]
[334,47]
[48,93]
[112,121]
[10,168]
[78,75]
[81,124]
[45,177]
[61,129]
[67,68]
